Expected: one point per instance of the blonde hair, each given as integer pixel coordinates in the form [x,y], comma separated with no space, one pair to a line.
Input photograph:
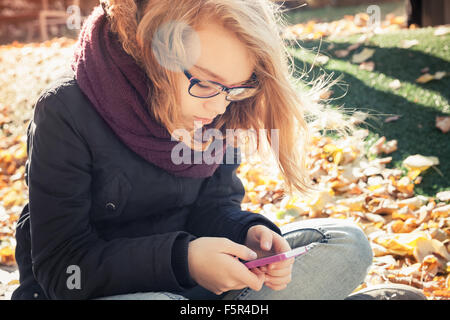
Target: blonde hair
[279,104]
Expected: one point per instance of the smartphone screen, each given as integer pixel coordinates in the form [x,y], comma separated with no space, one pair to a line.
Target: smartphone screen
[276,258]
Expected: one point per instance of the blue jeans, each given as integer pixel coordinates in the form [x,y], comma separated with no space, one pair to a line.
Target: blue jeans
[337,263]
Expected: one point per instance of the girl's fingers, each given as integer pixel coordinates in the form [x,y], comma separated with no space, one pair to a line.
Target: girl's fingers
[238,250]
[276,287]
[280,244]
[287,264]
[257,271]
[253,278]
[278,281]
[266,240]
[281,265]
[279,272]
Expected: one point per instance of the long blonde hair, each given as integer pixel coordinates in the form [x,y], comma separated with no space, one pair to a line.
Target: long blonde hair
[280,104]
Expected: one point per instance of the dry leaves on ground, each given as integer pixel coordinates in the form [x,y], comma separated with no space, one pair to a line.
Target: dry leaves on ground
[395,84]
[367,65]
[25,70]
[429,77]
[409,234]
[443,124]
[406,44]
[349,25]
[363,56]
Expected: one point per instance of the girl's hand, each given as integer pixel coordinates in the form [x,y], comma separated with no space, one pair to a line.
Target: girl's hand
[213,264]
[266,242]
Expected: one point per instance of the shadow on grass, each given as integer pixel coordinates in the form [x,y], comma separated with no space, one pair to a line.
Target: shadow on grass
[415,131]
[398,63]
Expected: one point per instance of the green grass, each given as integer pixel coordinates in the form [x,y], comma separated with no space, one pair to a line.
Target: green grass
[327,14]
[418,104]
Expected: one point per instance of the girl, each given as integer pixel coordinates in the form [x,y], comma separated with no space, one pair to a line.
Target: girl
[114,214]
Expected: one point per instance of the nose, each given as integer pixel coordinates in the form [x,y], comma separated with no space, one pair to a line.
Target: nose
[217,104]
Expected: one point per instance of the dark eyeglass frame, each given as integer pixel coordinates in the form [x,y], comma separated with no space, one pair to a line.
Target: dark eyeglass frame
[224,89]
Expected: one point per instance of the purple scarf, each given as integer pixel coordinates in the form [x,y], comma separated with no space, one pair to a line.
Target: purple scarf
[117,87]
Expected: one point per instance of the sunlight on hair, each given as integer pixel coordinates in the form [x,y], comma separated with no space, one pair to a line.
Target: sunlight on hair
[286,103]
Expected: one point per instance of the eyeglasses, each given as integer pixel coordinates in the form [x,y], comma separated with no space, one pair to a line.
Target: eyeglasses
[207,89]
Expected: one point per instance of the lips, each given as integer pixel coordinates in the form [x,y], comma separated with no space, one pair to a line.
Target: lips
[204,120]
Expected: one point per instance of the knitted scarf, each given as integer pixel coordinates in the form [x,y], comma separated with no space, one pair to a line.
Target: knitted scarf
[117,87]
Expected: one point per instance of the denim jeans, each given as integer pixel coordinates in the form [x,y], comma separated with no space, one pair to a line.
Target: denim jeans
[336,264]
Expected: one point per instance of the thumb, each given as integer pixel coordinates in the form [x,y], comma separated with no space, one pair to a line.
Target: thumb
[239,250]
[265,241]
[257,283]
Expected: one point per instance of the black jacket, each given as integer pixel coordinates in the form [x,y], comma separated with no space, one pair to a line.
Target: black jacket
[96,205]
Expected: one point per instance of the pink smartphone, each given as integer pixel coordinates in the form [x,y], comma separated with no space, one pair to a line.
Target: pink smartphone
[276,258]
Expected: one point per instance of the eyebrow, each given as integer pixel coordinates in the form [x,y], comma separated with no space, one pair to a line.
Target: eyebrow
[212,74]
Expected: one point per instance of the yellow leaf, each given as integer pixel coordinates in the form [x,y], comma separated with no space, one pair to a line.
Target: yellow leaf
[425,78]
[378,225]
[318,202]
[413,203]
[408,189]
[393,118]
[378,250]
[329,148]
[326,95]
[400,20]
[363,55]
[428,77]
[354,203]
[341,53]
[443,195]
[374,187]
[253,196]
[406,44]
[337,157]
[397,226]
[395,84]
[443,211]
[21,153]
[321,59]
[420,162]
[5,156]
[443,124]
[441,31]
[291,202]
[367,65]
[401,243]
[425,246]
[414,174]
[439,75]
[7,255]
[10,198]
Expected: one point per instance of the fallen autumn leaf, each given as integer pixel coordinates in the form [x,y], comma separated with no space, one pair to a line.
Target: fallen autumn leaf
[364,55]
[443,124]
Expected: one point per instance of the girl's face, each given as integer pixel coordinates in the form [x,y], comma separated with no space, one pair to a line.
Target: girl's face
[223,58]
